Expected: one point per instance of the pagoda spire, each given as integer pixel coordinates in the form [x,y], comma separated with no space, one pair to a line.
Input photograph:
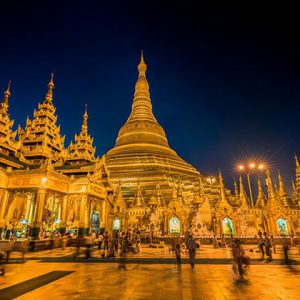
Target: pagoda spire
[159,197]
[49,95]
[179,194]
[284,197]
[236,191]
[83,148]
[222,188]
[297,182]
[7,135]
[120,205]
[84,126]
[5,104]
[243,196]
[139,200]
[273,199]
[261,197]
[41,137]
[222,196]
[142,126]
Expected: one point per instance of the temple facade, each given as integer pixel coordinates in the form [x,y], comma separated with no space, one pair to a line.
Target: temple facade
[140,183]
[45,186]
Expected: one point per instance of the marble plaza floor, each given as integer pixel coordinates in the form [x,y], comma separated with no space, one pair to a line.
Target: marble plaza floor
[46,275]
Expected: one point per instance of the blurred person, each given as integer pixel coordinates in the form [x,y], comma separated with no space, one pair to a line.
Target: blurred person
[178,255]
[223,241]
[100,241]
[261,244]
[240,259]
[123,254]
[106,239]
[9,229]
[191,245]
[88,243]
[285,247]
[273,244]
[268,247]
[138,241]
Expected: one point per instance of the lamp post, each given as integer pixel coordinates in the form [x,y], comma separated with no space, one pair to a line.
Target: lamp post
[249,169]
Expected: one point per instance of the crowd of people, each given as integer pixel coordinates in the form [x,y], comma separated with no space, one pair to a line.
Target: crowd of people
[109,245]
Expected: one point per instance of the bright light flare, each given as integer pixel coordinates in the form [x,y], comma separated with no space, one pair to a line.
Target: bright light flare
[261,167]
[252,165]
[241,167]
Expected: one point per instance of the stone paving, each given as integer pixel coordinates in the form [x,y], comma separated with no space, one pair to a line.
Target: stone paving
[155,281]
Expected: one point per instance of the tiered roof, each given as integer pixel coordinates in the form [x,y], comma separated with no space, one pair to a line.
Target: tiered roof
[82,150]
[41,139]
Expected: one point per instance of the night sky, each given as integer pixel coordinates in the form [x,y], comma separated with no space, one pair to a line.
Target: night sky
[224,81]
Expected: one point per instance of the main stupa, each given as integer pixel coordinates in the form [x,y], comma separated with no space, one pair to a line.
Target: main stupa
[142,161]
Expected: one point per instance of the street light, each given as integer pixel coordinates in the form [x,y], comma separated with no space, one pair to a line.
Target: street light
[210,179]
[249,169]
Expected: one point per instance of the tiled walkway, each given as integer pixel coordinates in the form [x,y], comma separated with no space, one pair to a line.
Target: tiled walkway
[155,281]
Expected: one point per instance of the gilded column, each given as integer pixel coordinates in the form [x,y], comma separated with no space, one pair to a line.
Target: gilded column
[40,202]
[63,219]
[104,217]
[4,200]
[82,216]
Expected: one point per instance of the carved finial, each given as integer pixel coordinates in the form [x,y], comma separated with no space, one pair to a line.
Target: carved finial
[49,95]
[6,97]
[142,67]
[84,126]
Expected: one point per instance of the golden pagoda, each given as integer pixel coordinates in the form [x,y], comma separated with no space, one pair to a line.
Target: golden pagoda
[142,153]
[140,183]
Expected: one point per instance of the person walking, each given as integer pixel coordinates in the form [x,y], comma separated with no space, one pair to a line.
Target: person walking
[237,253]
[273,244]
[268,247]
[285,247]
[261,244]
[100,241]
[123,254]
[191,245]
[9,229]
[178,255]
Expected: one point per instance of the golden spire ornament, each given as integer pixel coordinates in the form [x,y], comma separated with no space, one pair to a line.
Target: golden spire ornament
[49,95]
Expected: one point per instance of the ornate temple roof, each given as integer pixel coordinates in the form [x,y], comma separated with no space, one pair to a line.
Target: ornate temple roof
[82,149]
[7,135]
[41,137]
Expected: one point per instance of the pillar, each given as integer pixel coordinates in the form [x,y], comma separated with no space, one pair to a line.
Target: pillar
[82,227]
[4,200]
[63,217]
[103,218]
[40,202]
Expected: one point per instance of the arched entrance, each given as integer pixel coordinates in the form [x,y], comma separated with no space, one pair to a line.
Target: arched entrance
[174,225]
[227,226]
[282,226]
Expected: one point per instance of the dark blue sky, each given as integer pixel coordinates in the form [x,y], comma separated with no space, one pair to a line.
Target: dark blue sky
[224,81]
